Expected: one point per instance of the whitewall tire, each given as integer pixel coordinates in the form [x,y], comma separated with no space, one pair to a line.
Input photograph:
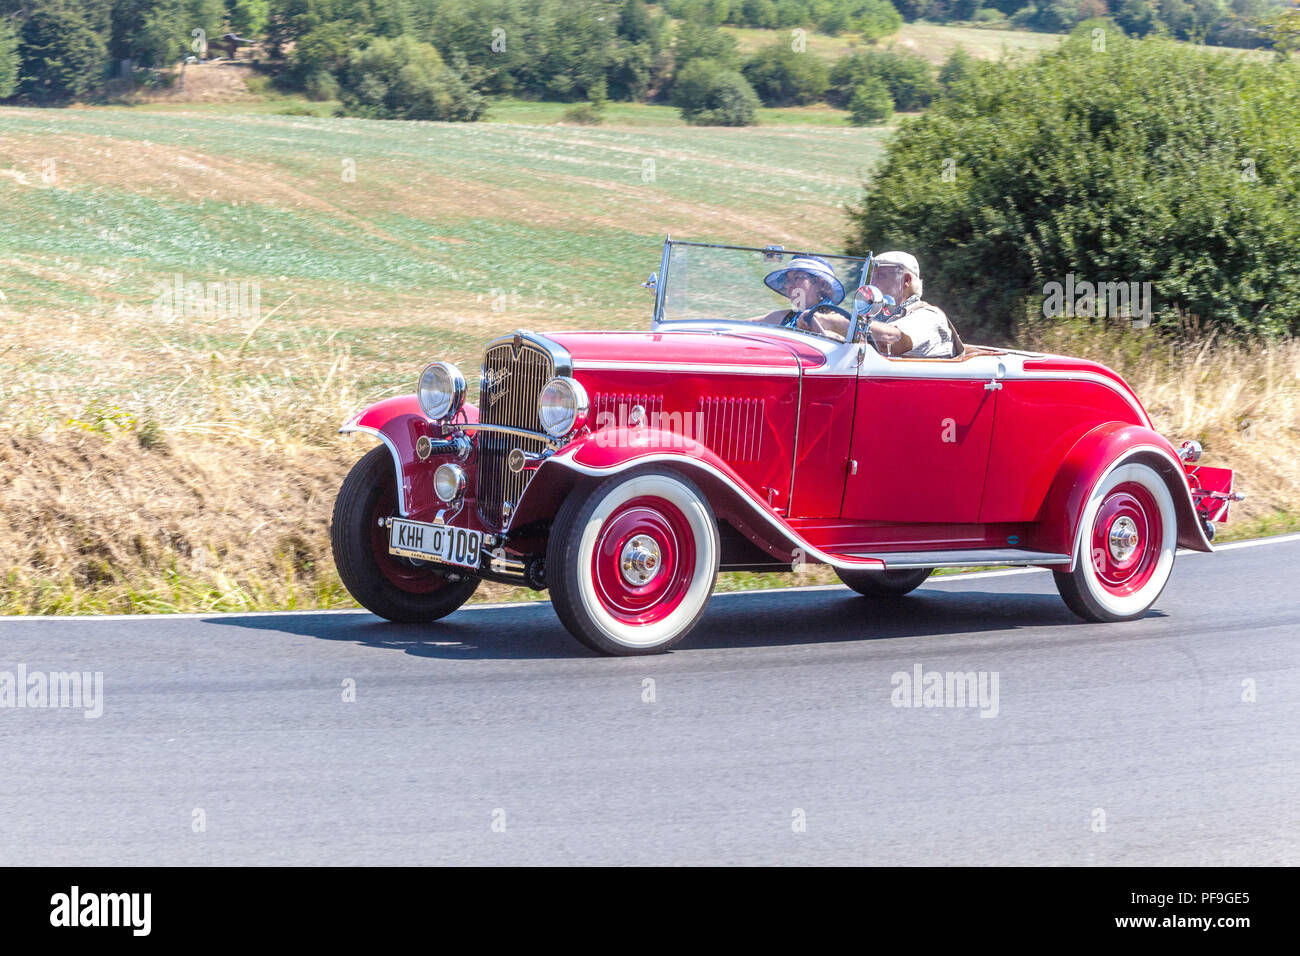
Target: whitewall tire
[631,562]
[1126,545]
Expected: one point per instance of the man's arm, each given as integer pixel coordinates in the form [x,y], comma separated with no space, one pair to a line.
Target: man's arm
[892,336]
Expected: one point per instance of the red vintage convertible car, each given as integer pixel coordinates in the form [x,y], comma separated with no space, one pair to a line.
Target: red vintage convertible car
[622,470]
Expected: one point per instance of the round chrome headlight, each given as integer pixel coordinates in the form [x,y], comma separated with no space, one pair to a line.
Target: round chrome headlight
[442,391]
[449,482]
[562,406]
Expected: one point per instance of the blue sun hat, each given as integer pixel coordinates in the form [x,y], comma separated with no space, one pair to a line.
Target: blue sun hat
[815,266]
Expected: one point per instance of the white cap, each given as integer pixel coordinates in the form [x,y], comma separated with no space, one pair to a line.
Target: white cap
[904,259]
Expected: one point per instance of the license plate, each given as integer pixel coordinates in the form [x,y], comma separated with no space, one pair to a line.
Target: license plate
[435,542]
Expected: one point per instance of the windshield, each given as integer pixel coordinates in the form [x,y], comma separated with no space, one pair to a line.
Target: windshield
[727,282]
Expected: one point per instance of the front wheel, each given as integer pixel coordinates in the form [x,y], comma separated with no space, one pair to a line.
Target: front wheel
[1126,550]
[395,588]
[884,583]
[631,562]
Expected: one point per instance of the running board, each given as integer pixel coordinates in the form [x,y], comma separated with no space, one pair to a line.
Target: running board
[1013,557]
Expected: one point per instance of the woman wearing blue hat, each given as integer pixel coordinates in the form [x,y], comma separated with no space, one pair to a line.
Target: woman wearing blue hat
[812,287]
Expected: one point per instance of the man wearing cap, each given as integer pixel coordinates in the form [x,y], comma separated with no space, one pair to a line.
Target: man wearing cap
[809,283]
[922,331]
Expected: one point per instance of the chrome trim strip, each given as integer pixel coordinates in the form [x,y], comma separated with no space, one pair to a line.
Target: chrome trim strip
[520,432]
[561,360]
[689,367]
[798,421]
[349,428]
[973,558]
[835,561]
[662,283]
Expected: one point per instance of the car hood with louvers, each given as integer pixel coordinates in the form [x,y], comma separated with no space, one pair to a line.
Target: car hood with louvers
[686,350]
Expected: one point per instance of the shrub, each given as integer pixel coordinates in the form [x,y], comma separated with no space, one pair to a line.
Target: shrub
[584,114]
[1148,162]
[907,76]
[871,104]
[321,86]
[708,95]
[782,77]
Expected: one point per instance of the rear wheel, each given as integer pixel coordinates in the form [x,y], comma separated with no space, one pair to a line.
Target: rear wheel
[631,562]
[1126,547]
[395,588]
[884,583]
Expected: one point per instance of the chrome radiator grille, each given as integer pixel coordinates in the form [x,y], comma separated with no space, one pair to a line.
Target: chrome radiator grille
[511,381]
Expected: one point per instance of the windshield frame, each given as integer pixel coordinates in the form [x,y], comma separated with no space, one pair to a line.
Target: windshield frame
[661,282]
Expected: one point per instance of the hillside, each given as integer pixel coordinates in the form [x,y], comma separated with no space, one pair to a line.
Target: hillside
[210,425]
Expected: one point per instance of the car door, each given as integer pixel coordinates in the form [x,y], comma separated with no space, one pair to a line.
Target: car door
[921,435]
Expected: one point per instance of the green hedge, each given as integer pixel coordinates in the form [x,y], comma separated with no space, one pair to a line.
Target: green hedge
[1140,161]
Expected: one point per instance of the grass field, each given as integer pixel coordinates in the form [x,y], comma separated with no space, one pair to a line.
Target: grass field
[933,41]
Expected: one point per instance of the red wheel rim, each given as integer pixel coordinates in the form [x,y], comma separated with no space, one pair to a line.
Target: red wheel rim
[398,571]
[643,526]
[1127,539]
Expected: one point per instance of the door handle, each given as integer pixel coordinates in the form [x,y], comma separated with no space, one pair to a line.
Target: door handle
[995,383]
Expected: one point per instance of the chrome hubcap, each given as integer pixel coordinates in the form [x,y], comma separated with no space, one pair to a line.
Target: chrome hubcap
[1123,538]
[639,561]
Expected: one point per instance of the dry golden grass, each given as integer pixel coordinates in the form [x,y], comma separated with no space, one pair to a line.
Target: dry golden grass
[1240,400]
[127,515]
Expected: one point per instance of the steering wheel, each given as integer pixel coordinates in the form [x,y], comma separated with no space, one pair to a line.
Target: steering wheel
[792,320]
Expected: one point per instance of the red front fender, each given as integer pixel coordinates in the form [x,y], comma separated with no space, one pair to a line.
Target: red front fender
[398,423]
[1088,461]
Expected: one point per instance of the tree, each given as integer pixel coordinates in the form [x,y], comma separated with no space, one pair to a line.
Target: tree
[1148,162]
[700,40]
[1137,17]
[1284,29]
[634,22]
[248,17]
[206,15]
[871,104]
[709,94]
[9,61]
[62,56]
[958,68]
[879,18]
[323,51]
[406,79]
[782,77]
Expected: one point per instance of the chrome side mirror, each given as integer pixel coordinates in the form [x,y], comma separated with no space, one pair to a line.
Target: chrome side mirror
[651,283]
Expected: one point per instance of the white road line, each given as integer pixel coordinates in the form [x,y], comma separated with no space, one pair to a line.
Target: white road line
[205,615]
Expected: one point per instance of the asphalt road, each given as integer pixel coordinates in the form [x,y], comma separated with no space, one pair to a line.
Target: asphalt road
[773,735]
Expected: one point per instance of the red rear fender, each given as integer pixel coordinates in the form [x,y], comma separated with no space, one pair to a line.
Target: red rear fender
[1088,461]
